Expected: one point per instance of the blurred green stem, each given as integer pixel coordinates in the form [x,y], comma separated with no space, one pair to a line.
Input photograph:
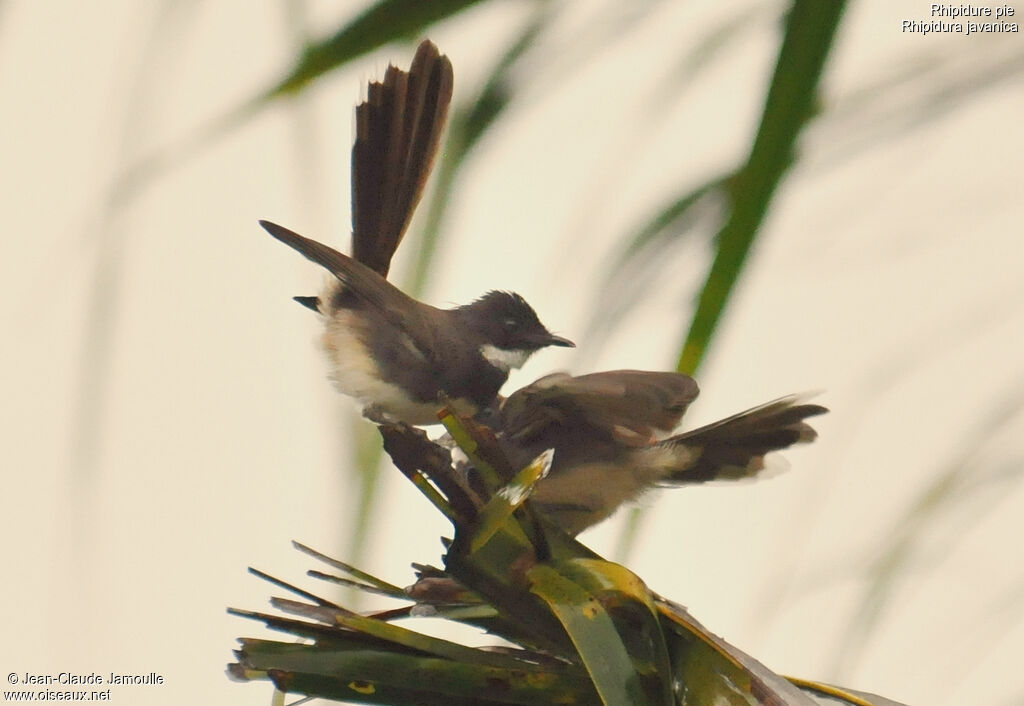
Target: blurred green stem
[810,30]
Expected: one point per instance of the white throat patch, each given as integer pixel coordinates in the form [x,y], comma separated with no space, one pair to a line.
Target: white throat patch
[504,359]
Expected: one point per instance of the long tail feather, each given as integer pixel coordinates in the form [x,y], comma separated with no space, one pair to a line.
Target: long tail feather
[398,130]
[735,447]
[361,280]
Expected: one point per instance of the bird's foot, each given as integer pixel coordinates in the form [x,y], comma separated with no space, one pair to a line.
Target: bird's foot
[377,415]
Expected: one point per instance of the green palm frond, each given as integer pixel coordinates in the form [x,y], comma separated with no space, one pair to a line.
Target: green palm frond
[580,629]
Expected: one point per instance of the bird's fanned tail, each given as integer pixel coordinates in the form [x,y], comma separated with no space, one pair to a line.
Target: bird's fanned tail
[398,130]
[735,447]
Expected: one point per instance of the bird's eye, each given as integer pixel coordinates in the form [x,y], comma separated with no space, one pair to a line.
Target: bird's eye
[510,323]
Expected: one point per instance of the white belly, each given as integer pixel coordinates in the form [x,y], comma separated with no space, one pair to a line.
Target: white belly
[355,373]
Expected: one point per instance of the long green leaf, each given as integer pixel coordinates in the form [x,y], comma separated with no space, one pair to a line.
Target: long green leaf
[378,583]
[832,694]
[633,610]
[593,633]
[509,498]
[386,21]
[711,671]
[810,30]
[398,636]
[379,676]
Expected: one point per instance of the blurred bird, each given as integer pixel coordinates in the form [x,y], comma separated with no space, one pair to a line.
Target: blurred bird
[395,354]
[605,431]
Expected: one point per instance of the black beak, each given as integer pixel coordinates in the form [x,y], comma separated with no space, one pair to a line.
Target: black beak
[535,340]
[553,340]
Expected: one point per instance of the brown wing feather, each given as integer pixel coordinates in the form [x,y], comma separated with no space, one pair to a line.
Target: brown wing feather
[625,405]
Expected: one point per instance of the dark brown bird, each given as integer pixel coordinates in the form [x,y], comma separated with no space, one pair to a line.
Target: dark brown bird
[605,431]
[395,354]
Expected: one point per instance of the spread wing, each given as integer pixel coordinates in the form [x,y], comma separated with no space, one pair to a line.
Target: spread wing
[398,129]
[628,406]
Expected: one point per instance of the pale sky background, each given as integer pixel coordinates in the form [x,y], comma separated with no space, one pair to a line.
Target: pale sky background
[889,276]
